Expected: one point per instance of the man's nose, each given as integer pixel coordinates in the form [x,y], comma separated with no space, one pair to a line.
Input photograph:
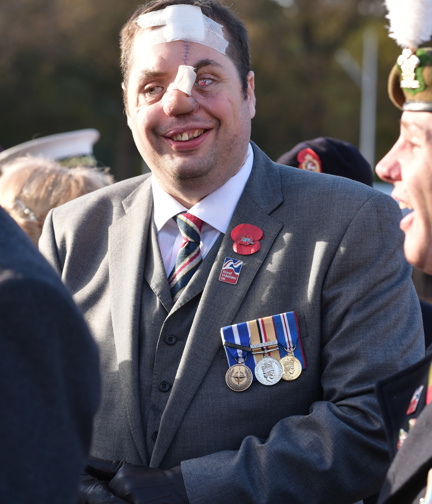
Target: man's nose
[176,102]
[389,169]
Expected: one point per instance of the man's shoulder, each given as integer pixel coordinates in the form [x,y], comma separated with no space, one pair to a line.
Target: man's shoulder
[325,184]
[102,201]
[114,193]
[312,189]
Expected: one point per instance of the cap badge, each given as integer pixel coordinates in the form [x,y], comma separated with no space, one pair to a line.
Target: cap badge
[246,239]
[408,62]
[309,160]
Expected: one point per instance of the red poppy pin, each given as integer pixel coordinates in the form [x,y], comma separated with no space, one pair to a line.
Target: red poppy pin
[246,239]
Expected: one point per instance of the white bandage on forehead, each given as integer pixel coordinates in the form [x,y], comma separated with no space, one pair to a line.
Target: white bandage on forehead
[183,22]
[185,79]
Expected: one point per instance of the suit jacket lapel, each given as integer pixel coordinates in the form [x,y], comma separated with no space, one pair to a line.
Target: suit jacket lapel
[126,268]
[221,301]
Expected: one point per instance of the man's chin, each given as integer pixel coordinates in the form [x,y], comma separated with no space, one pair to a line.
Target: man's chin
[427,267]
[419,254]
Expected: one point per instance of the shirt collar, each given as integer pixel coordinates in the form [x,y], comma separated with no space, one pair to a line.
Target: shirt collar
[216,209]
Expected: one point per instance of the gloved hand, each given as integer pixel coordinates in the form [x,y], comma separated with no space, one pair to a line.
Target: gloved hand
[94,491]
[131,483]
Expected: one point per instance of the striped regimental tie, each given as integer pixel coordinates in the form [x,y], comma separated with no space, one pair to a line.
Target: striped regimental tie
[189,255]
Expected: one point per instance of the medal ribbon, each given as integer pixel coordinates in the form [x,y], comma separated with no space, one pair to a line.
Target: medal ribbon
[262,331]
[428,497]
[280,331]
[429,387]
[288,335]
[238,335]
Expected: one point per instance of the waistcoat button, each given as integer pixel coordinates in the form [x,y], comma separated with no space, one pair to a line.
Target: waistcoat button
[164,386]
[170,339]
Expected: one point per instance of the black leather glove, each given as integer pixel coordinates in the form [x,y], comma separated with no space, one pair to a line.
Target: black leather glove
[135,484]
[94,491]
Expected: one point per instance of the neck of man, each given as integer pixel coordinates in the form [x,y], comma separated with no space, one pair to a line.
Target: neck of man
[188,197]
[189,192]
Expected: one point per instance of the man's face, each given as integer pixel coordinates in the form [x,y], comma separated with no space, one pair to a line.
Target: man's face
[409,167]
[193,144]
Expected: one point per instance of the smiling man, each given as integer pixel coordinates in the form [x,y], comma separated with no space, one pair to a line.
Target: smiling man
[194,142]
[405,398]
[244,310]
[408,166]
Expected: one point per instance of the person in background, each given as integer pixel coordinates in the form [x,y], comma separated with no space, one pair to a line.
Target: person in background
[72,148]
[240,306]
[329,155]
[30,186]
[36,176]
[49,378]
[406,397]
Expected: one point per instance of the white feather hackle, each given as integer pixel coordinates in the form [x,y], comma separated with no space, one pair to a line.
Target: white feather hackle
[410,21]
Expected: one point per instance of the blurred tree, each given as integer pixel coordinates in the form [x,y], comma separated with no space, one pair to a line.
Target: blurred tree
[302,91]
[60,72]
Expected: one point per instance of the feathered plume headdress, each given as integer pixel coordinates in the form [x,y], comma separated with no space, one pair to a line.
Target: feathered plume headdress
[410,83]
[410,22]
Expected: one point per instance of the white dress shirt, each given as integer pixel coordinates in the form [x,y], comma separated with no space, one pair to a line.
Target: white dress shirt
[215,210]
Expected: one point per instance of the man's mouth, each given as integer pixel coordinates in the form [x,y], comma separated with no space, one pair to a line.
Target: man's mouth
[187,135]
[406,209]
[404,206]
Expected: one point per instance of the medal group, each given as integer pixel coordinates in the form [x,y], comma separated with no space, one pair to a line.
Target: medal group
[267,350]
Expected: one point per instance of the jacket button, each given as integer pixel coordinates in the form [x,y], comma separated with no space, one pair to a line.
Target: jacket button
[170,339]
[164,386]
[154,435]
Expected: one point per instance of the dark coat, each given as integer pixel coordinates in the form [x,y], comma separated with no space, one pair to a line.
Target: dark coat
[49,378]
[406,479]
[426,309]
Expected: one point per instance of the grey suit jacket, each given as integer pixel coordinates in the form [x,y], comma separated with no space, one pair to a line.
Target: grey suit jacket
[331,252]
[49,378]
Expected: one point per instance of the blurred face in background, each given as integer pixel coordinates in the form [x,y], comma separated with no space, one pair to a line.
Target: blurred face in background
[408,166]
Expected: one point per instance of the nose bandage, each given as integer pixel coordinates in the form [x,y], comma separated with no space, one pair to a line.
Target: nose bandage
[183,22]
[184,80]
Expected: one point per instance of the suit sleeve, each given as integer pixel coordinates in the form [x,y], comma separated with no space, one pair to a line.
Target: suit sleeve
[371,327]
[49,380]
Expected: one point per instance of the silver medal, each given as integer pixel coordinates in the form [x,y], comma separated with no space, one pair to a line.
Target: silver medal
[268,371]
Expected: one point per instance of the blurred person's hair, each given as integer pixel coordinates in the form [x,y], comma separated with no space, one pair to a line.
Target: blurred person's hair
[30,186]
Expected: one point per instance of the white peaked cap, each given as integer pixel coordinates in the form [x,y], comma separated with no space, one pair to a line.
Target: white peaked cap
[59,146]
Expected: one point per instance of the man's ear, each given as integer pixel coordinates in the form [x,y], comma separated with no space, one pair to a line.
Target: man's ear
[125,102]
[251,93]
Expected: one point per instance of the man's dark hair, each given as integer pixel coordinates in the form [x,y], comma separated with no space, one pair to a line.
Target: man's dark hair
[235,32]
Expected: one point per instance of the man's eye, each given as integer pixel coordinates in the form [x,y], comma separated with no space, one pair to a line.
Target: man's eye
[203,82]
[152,90]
